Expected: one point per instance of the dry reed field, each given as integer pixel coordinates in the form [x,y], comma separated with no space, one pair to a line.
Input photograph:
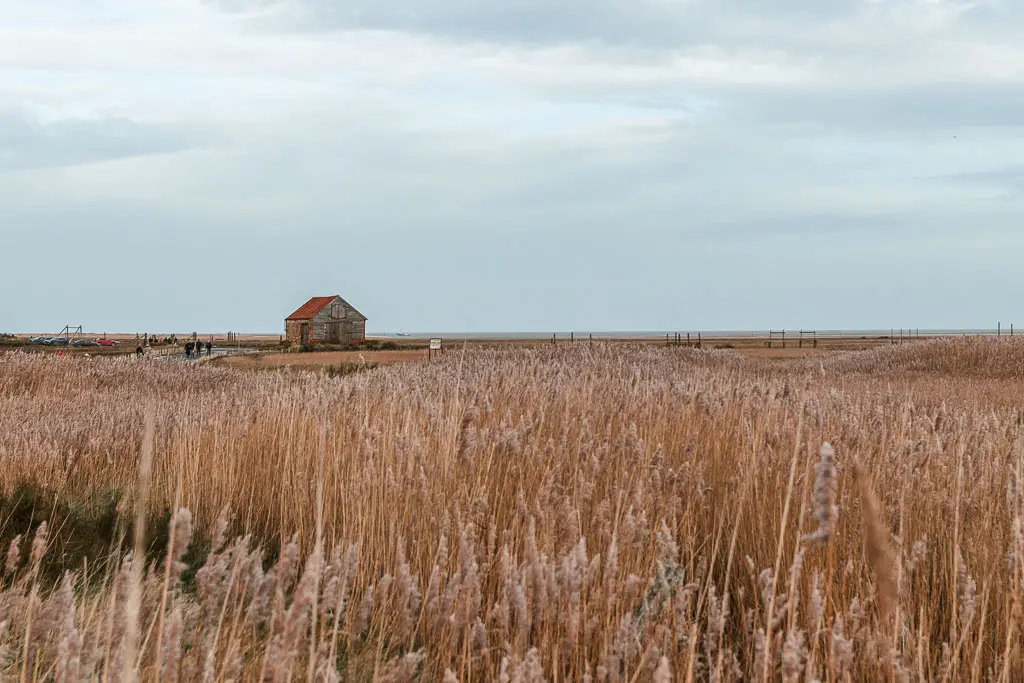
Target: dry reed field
[570,513]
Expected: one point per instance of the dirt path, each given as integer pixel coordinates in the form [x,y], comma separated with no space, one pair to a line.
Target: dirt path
[325,358]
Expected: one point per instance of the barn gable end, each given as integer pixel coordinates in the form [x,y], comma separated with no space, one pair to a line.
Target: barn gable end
[327,319]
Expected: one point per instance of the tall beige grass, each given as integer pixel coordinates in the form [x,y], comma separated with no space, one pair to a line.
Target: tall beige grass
[587,513]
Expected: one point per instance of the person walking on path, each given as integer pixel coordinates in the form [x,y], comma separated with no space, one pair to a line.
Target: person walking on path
[188,350]
[209,348]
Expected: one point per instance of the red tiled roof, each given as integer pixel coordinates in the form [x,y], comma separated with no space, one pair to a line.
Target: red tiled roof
[311,307]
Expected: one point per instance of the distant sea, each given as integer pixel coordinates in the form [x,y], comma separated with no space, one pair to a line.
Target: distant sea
[711,334]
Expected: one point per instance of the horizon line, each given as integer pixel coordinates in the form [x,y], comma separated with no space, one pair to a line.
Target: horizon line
[650,333]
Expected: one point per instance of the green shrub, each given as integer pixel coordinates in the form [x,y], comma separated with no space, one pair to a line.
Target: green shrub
[82,533]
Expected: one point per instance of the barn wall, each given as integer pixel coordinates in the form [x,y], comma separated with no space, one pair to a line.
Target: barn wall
[318,326]
[293,331]
[353,327]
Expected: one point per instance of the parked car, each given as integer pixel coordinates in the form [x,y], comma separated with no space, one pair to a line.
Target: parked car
[107,342]
[84,342]
[58,341]
[36,340]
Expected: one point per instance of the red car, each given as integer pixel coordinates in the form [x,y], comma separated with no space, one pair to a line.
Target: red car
[107,342]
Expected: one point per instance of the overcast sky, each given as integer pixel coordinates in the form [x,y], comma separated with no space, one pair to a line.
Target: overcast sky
[512,165]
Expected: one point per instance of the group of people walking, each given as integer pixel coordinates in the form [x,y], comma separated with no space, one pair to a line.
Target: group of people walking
[195,349]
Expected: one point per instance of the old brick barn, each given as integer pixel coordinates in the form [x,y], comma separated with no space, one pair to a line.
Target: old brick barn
[325,320]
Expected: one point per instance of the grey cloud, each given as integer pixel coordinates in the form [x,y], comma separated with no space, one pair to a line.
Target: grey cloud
[1006,181]
[710,182]
[27,143]
[640,23]
[880,108]
[1014,173]
[645,24]
[860,42]
[525,21]
[922,107]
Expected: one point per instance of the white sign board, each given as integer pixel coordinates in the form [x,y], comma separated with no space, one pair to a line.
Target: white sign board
[435,344]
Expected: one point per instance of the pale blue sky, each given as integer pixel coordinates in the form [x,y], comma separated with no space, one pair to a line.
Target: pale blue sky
[512,166]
